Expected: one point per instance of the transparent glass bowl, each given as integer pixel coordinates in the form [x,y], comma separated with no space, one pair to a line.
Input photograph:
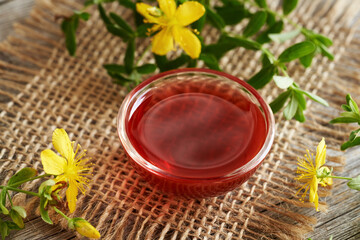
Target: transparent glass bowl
[193,186]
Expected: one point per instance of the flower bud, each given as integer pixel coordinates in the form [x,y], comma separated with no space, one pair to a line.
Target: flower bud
[322,174]
[84,228]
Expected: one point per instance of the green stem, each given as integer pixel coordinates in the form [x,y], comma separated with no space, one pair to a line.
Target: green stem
[30,179]
[143,54]
[346,178]
[61,213]
[20,190]
[279,15]
[284,72]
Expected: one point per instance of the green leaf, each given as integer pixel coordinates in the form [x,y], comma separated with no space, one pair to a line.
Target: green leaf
[280,101]
[103,15]
[291,108]
[4,230]
[324,40]
[121,22]
[301,99]
[343,120]
[299,115]
[313,97]
[200,23]
[349,144]
[261,3]
[263,77]
[346,107]
[88,3]
[214,18]
[129,56]
[20,210]
[354,134]
[115,68]
[271,18]
[176,63]
[227,43]
[350,115]
[274,28]
[288,6]
[12,225]
[239,41]
[120,79]
[102,1]
[192,63]
[69,27]
[296,51]
[210,61]
[118,32]
[83,15]
[161,62]
[128,4]
[3,201]
[45,191]
[325,52]
[352,104]
[256,22]
[233,12]
[22,175]
[146,68]
[354,183]
[15,216]
[265,60]
[282,37]
[43,212]
[283,82]
[307,59]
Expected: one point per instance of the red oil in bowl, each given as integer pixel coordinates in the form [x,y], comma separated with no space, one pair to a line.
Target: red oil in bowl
[194,134]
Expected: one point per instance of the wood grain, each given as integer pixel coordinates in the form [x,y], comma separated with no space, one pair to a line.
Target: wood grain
[12,11]
[342,220]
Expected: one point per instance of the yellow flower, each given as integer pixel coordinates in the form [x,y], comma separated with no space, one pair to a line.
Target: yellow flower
[70,167]
[84,228]
[312,174]
[171,24]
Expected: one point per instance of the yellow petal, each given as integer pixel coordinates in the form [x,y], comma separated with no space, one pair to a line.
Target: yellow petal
[52,163]
[320,154]
[187,41]
[189,12]
[146,10]
[62,144]
[71,194]
[163,42]
[313,195]
[168,7]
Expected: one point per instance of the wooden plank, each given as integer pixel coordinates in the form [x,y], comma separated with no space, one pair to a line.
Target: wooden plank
[36,229]
[342,220]
[12,11]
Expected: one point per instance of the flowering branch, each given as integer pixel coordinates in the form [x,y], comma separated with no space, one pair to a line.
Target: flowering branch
[167,26]
[70,171]
[311,173]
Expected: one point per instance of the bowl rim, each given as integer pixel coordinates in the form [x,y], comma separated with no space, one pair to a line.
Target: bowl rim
[137,158]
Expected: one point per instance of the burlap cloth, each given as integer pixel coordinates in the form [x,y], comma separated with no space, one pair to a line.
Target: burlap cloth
[55,90]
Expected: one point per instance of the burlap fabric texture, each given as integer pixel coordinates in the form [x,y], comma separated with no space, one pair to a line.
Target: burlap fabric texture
[55,90]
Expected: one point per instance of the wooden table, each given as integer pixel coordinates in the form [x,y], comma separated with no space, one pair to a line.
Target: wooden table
[342,220]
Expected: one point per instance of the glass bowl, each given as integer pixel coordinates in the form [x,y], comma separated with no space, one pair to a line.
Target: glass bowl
[195,132]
